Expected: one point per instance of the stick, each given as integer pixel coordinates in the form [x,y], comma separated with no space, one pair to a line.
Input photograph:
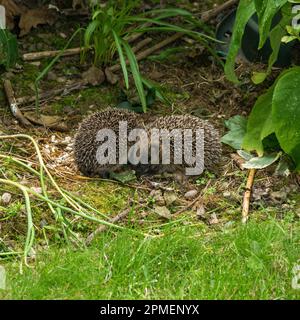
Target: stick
[142,55]
[48,54]
[141,45]
[208,15]
[13,104]
[102,228]
[52,93]
[247,195]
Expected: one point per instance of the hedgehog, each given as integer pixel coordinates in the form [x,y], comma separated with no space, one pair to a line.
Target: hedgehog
[212,143]
[86,144]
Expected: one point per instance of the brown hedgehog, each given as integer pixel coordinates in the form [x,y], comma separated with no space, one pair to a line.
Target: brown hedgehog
[86,144]
[212,144]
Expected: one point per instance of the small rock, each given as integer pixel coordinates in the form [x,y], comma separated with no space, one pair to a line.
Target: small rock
[214,219]
[191,194]
[6,198]
[37,190]
[51,76]
[163,212]
[93,76]
[227,194]
[170,198]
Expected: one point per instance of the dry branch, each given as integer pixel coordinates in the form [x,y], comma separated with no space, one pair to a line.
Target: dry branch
[247,195]
[48,54]
[13,103]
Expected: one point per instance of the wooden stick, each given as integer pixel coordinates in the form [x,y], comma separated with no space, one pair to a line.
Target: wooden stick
[142,55]
[13,104]
[52,93]
[141,44]
[48,54]
[208,15]
[115,219]
[247,195]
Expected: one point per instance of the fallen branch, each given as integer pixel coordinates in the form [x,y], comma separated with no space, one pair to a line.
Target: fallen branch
[115,219]
[141,45]
[210,14]
[48,54]
[247,195]
[13,104]
[47,95]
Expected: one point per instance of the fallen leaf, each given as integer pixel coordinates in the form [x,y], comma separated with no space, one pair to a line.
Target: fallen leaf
[191,194]
[163,212]
[214,219]
[33,17]
[12,10]
[6,198]
[52,122]
[123,177]
[93,76]
[170,198]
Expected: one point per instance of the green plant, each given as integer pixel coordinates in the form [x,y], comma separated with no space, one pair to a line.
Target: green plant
[8,48]
[111,26]
[274,121]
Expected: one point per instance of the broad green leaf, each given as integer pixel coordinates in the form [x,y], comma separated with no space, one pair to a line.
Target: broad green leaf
[266,10]
[262,162]
[258,77]
[245,10]
[237,130]
[259,124]
[286,113]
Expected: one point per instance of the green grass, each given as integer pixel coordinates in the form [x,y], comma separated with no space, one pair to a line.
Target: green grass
[189,262]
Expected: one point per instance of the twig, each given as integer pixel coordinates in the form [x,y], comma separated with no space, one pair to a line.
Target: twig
[115,219]
[48,54]
[144,54]
[141,45]
[208,15]
[52,93]
[247,195]
[13,104]
[191,204]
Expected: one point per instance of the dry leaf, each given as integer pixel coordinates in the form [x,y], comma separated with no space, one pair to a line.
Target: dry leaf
[52,122]
[32,18]
[93,76]
[163,212]
[12,10]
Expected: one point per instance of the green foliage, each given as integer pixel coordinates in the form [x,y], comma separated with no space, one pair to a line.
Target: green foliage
[277,112]
[111,26]
[8,49]
[237,129]
[184,262]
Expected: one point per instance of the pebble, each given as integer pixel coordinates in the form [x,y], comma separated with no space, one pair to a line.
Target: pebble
[191,194]
[6,198]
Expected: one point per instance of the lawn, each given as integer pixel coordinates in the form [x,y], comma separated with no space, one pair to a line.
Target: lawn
[253,261]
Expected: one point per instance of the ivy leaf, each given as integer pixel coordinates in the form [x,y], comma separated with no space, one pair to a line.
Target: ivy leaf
[237,126]
[262,162]
[286,113]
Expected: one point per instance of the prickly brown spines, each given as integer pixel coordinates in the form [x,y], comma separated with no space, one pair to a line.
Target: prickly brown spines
[86,145]
[212,144]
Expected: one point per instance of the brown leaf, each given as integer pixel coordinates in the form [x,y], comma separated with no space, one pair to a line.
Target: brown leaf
[32,18]
[93,76]
[51,122]
[12,10]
